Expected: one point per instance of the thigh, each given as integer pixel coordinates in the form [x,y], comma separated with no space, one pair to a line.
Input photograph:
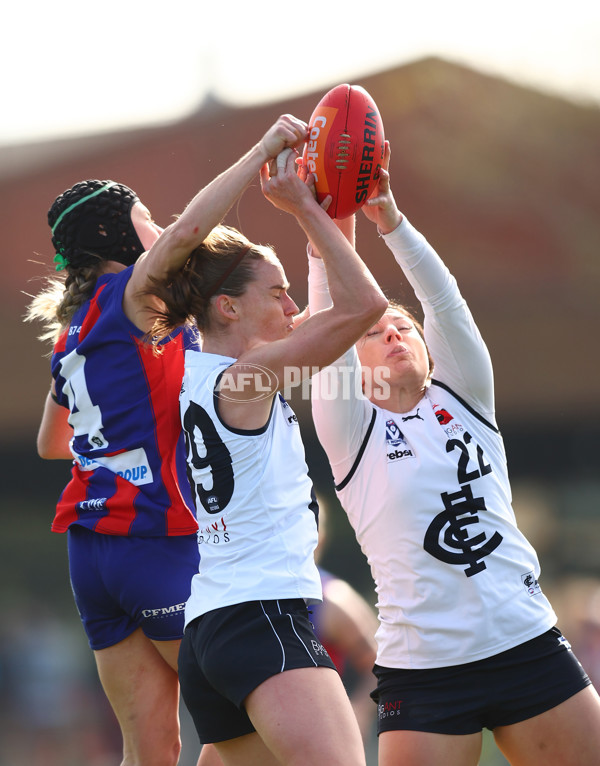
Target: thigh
[227,653]
[143,691]
[169,651]
[419,748]
[304,716]
[565,735]
[249,750]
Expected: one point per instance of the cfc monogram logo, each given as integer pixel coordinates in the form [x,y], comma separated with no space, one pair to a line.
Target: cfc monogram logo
[451,536]
[447,537]
[531,584]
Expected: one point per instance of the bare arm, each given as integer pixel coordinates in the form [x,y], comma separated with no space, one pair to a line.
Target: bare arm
[357,300]
[340,421]
[206,210]
[55,432]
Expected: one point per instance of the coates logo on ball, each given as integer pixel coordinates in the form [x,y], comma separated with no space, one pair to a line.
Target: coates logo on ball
[345,148]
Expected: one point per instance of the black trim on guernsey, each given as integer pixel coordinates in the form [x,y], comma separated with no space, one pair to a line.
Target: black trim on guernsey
[240,431]
[361,451]
[363,446]
[465,405]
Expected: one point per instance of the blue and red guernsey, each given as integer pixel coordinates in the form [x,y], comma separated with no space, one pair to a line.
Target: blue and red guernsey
[129,475]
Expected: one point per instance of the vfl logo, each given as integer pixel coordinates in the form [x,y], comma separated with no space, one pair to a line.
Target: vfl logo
[393,435]
[447,537]
[394,438]
[416,416]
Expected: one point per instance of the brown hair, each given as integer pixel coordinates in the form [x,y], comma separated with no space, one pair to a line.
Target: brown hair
[188,296]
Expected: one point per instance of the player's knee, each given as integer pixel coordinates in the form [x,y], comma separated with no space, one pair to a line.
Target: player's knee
[170,754]
[165,752]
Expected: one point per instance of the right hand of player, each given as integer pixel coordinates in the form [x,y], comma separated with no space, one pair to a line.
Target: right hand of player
[288,131]
[286,185]
[381,208]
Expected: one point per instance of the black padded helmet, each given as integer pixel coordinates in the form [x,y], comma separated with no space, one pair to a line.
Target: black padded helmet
[92,220]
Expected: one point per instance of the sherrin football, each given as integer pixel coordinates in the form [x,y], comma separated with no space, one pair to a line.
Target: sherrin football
[345,148]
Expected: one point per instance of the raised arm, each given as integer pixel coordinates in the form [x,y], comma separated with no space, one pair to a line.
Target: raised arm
[206,210]
[357,301]
[340,421]
[461,357]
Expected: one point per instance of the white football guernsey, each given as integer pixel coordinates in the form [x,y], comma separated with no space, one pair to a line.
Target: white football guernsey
[254,500]
[427,491]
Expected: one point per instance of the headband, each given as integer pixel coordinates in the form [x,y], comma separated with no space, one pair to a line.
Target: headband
[232,266]
[81,201]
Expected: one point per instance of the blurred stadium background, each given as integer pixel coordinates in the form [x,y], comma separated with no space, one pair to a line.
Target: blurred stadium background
[505,183]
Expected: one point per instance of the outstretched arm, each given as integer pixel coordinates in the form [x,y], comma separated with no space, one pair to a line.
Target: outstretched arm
[206,210]
[340,421]
[381,208]
[461,358]
[357,300]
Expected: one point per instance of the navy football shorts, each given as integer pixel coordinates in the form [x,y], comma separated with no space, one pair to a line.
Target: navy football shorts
[226,653]
[124,583]
[497,691]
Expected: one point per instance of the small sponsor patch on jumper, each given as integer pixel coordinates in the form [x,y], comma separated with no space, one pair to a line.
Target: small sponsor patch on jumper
[318,648]
[163,611]
[290,417]
[442,415]
[397,446]
[562,640]
[389,709]
[393,434]
[531,584]
[133,465]
[447,421]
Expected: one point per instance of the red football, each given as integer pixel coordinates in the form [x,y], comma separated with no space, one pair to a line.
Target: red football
[345,148]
